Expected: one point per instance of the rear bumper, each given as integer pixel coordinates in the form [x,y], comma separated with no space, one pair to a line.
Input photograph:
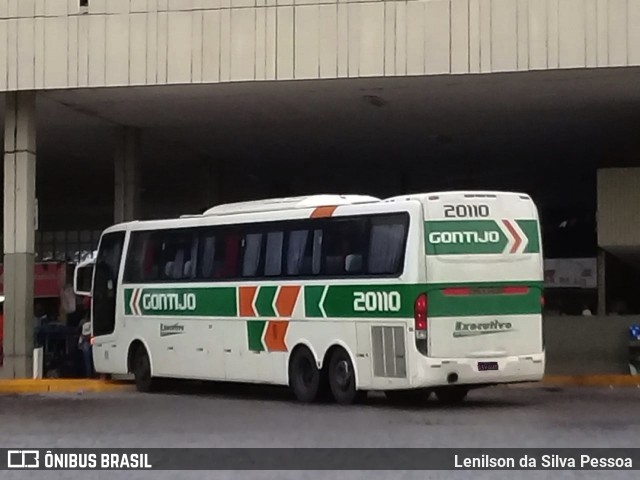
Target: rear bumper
[511,369]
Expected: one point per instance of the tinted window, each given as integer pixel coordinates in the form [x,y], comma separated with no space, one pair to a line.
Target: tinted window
[251,254]
[303,252]
[386,244]
[219,257]
[344,246]
[273,254]
[335,247]
[168,255]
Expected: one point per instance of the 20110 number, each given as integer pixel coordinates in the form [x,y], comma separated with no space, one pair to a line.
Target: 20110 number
[466,211]
[377,301]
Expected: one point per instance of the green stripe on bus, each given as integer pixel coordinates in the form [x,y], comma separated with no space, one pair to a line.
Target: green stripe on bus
[473,305]
[369,301]
[477,237]
[255,329]
[264,301]
[361,301]
[312,297]
[455,237]
[185,302]
[530,229]
[127,301]
[339,301]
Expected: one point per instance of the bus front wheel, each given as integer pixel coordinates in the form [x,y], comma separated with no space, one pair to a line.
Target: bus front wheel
[304,376]
[451,395]
[142,371]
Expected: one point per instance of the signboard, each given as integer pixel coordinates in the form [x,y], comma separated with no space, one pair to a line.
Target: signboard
[49,279]
[571,273]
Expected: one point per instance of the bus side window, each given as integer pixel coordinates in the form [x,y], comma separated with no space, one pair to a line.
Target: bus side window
[386,244]
[232,256]
[298,253]
[141,264]
[252,254]
[343,239]
[316,256]
[273,254]
[207,259]
[149,269]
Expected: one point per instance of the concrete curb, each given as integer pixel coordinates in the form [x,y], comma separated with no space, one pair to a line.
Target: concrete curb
[95,385]
[62,386]
[592,380]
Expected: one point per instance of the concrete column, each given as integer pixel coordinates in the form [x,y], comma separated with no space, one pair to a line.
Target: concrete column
[127,189]
[19,226]
[602,285]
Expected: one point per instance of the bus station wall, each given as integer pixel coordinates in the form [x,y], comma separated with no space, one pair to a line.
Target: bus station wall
[60,44]
[577,345]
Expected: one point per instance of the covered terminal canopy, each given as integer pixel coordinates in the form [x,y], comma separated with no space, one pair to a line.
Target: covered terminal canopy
[545,133]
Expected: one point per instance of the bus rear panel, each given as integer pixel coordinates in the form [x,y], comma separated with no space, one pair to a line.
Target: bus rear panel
[484,293]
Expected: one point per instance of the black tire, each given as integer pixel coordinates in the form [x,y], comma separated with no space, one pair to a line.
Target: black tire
[304,376]
[142,371]
[451,395]
[324,391]
[342,379]
[408,397]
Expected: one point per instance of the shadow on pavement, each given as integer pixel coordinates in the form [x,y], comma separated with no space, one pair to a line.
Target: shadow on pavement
[243,391]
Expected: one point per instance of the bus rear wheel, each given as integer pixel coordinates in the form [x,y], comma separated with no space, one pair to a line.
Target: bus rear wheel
[342,379]
[304,376]
[451,395]
[142,371]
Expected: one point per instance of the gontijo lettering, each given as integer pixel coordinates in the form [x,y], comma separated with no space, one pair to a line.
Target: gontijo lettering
[464,237]
[169,301]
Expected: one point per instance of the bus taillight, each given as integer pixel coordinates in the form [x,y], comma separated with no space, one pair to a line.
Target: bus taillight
[420,316]
[420,323]
[518,290]
[460,291]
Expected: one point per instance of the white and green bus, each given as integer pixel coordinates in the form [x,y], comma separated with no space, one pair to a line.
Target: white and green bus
[328,294]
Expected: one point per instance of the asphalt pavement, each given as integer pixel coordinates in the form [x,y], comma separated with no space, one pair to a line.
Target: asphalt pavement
[245,416]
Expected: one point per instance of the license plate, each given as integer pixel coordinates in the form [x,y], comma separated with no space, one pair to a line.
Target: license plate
[487,366]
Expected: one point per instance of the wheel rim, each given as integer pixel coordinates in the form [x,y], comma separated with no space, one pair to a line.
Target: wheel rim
[343,374]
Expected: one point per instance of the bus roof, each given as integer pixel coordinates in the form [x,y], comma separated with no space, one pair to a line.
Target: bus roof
[274,204]
[316,201]
[459,193]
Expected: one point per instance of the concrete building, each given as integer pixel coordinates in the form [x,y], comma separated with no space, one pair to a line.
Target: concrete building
[121,109]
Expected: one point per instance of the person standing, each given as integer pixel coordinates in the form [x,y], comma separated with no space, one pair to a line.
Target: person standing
[84,343]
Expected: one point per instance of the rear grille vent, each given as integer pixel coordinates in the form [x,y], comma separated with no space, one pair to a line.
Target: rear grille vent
[389,354]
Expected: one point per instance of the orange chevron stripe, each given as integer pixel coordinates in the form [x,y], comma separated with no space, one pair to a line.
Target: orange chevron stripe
[274,336]
[246,296]
[323,212]
[286,301]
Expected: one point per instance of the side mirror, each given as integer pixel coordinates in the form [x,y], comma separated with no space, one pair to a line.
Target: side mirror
[83,279]
[353,263]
